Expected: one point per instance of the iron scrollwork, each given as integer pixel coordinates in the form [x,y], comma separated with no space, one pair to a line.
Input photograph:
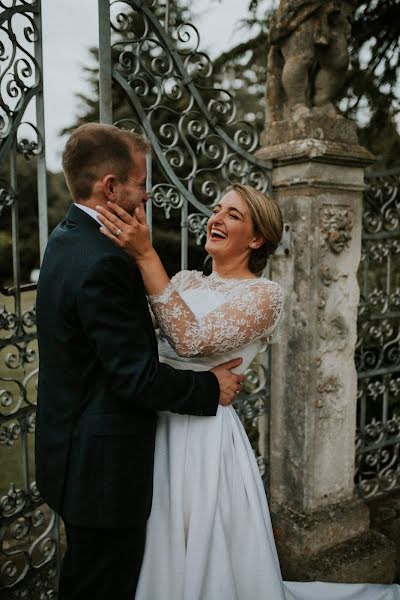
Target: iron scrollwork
[252,407]
[378,345]
[28,573]
[200,145]
[21,76]
[28,529]
[192,124]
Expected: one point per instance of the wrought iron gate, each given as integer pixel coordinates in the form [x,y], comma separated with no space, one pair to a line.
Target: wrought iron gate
[162,85]
[378,346]
[28,530]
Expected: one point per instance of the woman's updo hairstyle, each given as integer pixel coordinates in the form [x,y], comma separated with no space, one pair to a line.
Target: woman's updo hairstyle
[267,222]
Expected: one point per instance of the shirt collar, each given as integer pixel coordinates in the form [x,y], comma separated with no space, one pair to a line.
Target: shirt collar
[90,211]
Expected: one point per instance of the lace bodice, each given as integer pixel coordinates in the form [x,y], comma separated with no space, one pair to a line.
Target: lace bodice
[203,316]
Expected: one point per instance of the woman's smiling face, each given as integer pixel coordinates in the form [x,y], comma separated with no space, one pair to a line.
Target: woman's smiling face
[230,230]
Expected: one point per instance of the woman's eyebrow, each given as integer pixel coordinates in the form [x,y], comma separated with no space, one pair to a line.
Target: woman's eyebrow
[236,209]
[230,208]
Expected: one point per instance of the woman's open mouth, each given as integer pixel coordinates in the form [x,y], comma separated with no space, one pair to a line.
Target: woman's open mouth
[217,234]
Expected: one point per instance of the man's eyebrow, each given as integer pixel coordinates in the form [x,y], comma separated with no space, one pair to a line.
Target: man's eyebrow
[230,208]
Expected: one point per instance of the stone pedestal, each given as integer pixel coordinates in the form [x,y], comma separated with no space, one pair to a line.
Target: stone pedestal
[322,529]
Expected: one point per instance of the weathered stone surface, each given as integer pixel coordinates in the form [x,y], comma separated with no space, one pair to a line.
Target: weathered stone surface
[385,517]
[306,124]
[369,558]
[319,185]
[313,402]
[308,58]
[305,534]
[335,154]
[322,532]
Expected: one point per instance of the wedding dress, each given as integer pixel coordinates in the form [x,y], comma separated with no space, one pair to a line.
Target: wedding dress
[209,536]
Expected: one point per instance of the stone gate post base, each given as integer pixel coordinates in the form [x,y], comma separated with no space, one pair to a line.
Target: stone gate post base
[322,529]
[334,545]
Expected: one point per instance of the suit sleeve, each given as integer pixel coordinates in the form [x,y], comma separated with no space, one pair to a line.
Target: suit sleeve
[113,309]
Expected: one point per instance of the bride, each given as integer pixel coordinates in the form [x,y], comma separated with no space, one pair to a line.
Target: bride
[209,535]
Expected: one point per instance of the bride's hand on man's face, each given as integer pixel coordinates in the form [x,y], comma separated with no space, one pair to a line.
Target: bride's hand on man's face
[131,233]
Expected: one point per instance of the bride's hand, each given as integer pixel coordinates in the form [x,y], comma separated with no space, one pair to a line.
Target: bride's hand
[131,233]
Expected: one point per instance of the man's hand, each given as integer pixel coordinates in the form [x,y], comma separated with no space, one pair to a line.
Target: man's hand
[229,383]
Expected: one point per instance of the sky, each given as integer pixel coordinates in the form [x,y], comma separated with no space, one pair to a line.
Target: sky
[70,28]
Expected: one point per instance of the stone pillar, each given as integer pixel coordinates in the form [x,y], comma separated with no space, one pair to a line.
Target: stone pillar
[322,529]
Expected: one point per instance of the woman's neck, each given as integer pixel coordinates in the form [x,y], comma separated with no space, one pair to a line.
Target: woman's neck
[231,271]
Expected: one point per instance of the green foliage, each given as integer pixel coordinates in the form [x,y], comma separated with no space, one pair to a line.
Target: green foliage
[27,202]
[372,89]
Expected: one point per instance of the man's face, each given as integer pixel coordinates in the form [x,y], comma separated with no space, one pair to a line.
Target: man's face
[133,191]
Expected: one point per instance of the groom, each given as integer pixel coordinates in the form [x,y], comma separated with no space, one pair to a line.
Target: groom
[100,381]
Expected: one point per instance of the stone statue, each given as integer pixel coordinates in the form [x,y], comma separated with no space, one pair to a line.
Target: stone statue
[308,57]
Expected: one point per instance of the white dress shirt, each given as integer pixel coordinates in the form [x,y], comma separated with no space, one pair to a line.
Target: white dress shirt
[90,211]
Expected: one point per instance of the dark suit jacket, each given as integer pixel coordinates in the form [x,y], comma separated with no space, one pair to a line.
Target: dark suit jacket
[100,381]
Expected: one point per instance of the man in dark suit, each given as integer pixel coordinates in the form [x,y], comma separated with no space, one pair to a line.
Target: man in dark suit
[100,381]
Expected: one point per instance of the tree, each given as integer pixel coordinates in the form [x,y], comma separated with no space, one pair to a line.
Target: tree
[28,239]
[373,80]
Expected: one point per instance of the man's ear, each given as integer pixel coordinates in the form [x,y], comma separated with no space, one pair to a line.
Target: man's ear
[109,187]
[257,242]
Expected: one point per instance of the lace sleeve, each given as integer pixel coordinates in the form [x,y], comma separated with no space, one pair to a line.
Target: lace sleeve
[153,317]
[251,312]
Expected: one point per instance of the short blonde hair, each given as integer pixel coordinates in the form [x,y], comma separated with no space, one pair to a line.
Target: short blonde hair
[267,222]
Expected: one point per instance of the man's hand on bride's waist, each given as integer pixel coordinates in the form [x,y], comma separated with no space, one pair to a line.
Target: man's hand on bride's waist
[229,383]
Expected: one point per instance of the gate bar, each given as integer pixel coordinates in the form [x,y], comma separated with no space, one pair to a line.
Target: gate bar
[105,77]
[41,157]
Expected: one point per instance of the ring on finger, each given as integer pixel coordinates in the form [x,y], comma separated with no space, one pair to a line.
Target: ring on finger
[118,232]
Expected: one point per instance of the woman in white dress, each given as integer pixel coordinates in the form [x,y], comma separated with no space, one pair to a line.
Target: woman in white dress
[209,536]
